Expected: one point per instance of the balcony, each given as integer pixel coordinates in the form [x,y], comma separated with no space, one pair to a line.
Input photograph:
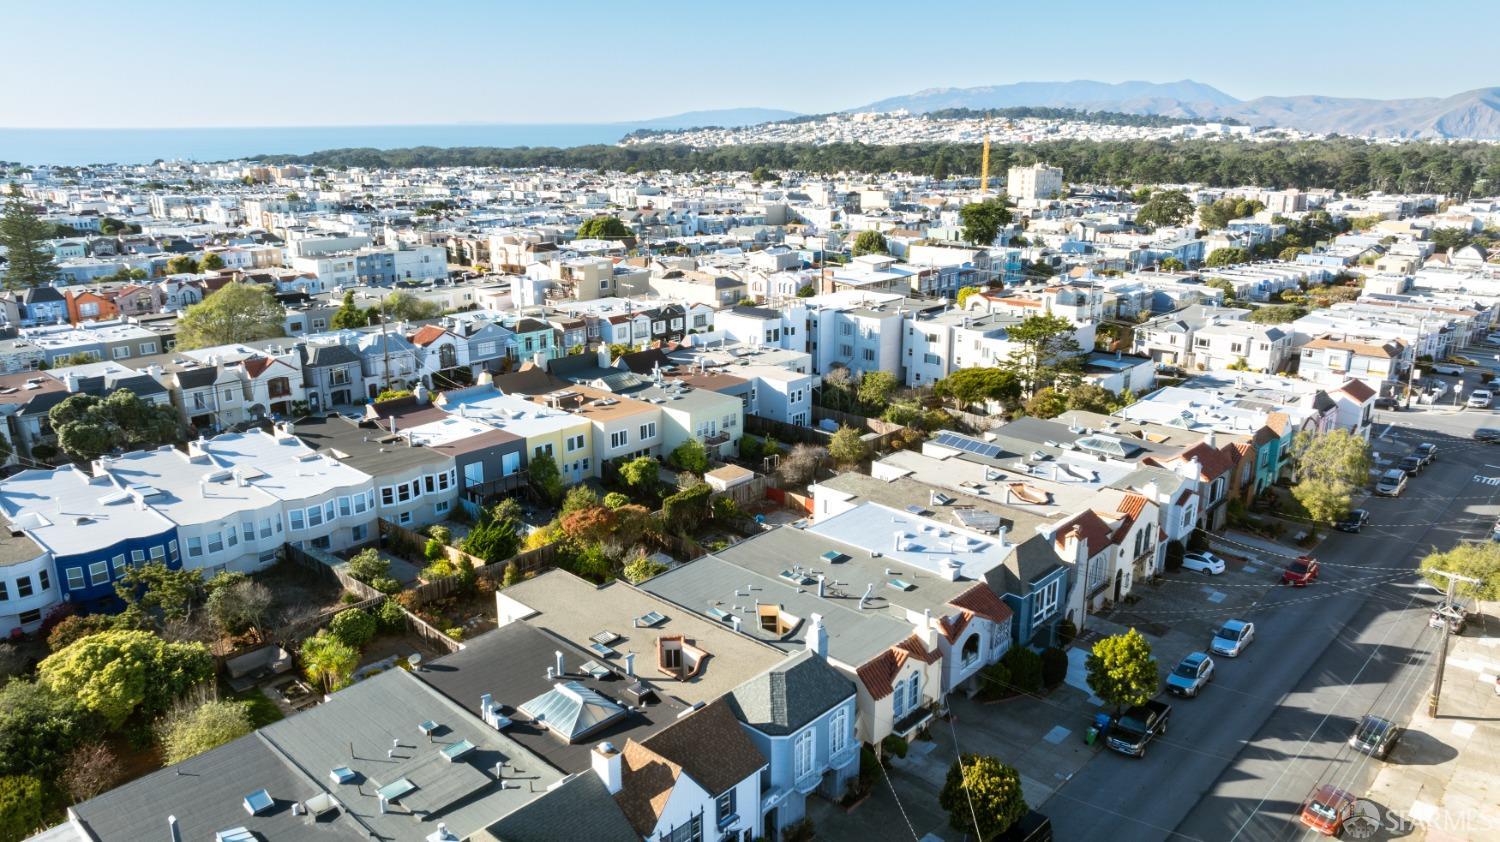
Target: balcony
[808,782]
[716,439]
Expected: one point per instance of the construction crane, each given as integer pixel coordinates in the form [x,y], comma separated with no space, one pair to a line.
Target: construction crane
[984,166]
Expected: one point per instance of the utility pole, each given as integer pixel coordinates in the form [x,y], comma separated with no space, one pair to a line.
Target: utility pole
[1437,680]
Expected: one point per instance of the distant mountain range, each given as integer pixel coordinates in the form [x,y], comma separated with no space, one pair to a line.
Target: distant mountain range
[728,118]
[1473,114]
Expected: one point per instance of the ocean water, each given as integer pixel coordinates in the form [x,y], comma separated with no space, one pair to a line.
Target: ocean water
[142,146]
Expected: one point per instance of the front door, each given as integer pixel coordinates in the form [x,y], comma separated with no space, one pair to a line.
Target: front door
[771,828]
[1119,579]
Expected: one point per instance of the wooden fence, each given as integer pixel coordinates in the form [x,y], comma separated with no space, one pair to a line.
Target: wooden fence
[530,561]
[747,494]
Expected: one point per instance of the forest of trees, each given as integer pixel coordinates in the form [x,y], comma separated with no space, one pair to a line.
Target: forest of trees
[1458,169]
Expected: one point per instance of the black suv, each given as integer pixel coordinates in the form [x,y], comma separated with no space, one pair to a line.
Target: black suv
[1354,522]
[1427,451]
[1375,736]
[1412,465]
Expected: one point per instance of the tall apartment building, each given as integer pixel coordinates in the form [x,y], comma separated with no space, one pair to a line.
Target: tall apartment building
[1038,181]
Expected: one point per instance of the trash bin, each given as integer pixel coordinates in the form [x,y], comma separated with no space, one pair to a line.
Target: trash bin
[1091,736]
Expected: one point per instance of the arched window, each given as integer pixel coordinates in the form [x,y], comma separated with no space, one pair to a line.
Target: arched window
[970,652]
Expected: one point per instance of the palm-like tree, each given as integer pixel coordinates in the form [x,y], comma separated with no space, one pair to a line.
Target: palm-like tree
[328,660]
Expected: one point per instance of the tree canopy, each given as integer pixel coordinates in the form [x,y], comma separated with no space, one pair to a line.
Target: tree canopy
[847,447]
[88,427]
[403,306]
[983,795]
[968,386]
[870,242]
[1047,352]
[982,221]
[1219,214]
[1165,208]
[1328,468]
[23,233]
[191,731]
[1122,671]
[1226,257]
[1480,560]
[238,312]
[604,228]
[349,315]
[116,673]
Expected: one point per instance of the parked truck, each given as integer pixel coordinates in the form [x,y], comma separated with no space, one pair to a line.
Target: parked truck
[1131,731]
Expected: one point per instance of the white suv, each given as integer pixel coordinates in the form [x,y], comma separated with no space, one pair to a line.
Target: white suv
[1480,399]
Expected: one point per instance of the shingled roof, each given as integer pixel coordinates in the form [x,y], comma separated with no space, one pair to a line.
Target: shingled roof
[791,694]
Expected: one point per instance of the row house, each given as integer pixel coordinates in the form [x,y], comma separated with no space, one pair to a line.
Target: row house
[415,486]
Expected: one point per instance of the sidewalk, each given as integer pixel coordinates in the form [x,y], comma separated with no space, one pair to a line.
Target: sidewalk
[1442,781]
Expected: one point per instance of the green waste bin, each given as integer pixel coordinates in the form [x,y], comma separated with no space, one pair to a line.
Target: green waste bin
[1091,735]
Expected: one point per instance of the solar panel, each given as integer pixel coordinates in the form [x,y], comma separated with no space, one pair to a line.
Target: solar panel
[969,445]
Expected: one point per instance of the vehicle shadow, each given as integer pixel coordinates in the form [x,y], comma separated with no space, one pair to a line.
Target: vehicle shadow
[1417,748]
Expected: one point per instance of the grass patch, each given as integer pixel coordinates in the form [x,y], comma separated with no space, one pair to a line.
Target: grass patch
[263,711]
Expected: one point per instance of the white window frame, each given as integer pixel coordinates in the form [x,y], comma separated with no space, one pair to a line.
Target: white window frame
[803,754]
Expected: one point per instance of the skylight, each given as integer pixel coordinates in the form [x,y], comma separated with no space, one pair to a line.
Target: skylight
[259,802]
[572,711]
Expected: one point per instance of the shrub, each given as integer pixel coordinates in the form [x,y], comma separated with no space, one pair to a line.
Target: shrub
[456,632]
[39,727]
[440,533]
[23,806]
[869,768]
[76,628]
[995,682]
[512,575]
[354,627]
[92,769]
[1066,633]
[435,550]
[1054,666]
[188,732]
[894,745]
[614,500]
[1197,541]
[690,456]
[1025,667]
[579,497]
[367,565]
[385,584]
[116,673]
[643,568]
[390,617]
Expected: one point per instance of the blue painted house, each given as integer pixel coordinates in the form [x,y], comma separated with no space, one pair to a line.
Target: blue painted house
[801,715]
[93,528]
[1034,583]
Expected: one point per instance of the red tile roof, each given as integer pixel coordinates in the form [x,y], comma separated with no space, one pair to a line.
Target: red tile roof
[984,602]
[256,366]
[879,672]
[427,335]
[1092,531]
[1358,390]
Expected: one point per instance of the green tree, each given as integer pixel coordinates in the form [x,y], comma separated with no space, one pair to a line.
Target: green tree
[328,661]
[1226,257]
[88,427]
[190,731]
[847,447]
[497,535]
[1215,215]
[25,807]
[368,565]
[968,386]
[641,475]
[210,262]
[1338,456]
[23,234]
[1172,264]
[40,726]
[1046,402]
[354,626]
[690,456]
[1165,208]
[403,306]
[604,228]
[1479,560]
[349,315]
[1276,314]
[1325,501]
[983,795]
[1046,353]
[116,673]
[870,242]
[156,591]
[876,388]
[643,568]
[1122,671]
[238,312]
[1092,398]
[982,221]
[1445,239]
[964,294]
[545,477]
[579,497]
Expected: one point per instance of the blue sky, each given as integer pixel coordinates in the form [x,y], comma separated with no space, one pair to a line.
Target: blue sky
[169,63]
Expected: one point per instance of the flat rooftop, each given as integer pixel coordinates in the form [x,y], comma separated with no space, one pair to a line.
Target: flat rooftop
[186,489]
[69,512]
[280,464]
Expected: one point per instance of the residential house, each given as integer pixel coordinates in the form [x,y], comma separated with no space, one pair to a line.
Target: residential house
[415,486]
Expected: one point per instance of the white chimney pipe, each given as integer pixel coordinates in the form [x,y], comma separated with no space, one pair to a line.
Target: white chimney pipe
[551,673]
[558,656]
[869,590]
[735,621]
[630,663]
[173,829]
[821,579]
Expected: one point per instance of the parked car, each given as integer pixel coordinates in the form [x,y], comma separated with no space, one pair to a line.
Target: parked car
[1387,402]
[1493,339]
[1428,451]
[1032,827]
[1375,736]
[1487,434]
[1411,465]
[1326,810]
[1232,638]
[1354,521]
[1191,674]
[1480,399]
[1204,562]
[1391,483]
[1137,726]
[1300,571]
[1454,617]
[1447,368]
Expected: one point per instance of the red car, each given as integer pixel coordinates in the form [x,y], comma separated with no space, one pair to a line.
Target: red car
[1301,571]
[1327,809]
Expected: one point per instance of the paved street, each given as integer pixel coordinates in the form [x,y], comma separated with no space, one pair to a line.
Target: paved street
[1240,759]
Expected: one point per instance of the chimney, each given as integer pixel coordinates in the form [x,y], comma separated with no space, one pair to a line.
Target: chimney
[393,425]
[421,393]
[174,832]
[603,356]
[558,656]
[864,600]
[817,637]
[1000,533]
[896,544]
[630,663]
[1210,440]
[551,673]
[821,579]
[606,764]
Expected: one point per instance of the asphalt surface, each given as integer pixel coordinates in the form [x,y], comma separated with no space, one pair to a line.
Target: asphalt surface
[1238,761]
